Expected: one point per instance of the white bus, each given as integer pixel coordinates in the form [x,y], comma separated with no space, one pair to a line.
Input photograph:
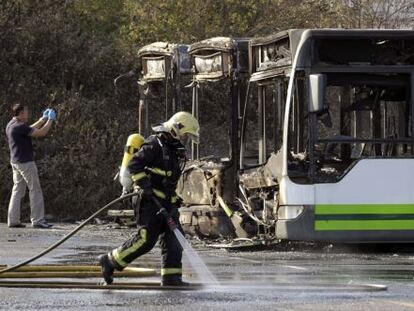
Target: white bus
[327,136]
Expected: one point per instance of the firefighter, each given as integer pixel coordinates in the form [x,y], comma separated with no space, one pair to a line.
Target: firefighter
[155,169]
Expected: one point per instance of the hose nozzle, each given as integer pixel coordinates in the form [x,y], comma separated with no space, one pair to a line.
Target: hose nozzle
[170,222]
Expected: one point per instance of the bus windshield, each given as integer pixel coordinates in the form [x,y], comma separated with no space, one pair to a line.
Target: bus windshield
[263,121]
[363,116]
[214,118]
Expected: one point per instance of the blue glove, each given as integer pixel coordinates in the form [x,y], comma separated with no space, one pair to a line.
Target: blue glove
[46,114]
[52,115]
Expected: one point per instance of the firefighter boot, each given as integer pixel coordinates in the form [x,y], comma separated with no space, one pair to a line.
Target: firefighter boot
[107,268]
[173,280]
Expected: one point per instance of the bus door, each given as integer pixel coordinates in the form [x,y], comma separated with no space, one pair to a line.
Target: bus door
[261,139]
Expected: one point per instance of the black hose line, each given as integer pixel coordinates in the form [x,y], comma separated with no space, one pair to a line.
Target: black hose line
[66,237]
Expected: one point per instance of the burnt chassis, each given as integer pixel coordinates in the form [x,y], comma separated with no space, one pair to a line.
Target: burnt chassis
[252,198]
[209,184]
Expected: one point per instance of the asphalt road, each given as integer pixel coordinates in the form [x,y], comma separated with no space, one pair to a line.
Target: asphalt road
[288,276]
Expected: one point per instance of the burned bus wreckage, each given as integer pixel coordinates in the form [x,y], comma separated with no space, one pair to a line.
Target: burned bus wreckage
[161,71]
[311,137]
[325,138]
[220,68]
[331,112]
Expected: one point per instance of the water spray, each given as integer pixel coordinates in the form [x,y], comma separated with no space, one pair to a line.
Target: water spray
[195,260]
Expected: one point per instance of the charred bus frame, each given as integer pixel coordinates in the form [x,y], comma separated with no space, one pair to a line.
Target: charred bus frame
[334,152]
[166,64]
[209,180]
[160,66]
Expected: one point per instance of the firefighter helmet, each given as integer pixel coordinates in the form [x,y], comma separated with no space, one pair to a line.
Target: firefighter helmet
[181,125]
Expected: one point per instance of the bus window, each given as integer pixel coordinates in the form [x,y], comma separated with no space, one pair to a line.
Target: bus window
[263,122]
[274,115]
[298,135]
[365,116]
[214,117]
[298,120]
[251,131]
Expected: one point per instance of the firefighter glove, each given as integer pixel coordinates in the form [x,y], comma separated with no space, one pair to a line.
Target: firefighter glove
[163,212]
[145,185]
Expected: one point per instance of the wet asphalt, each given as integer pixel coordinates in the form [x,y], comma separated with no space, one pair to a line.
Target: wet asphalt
[286,276]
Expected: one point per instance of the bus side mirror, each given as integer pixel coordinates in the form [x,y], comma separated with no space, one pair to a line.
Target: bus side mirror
[317,83]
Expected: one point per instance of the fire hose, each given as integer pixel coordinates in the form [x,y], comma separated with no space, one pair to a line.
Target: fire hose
[134,272]
[70,234]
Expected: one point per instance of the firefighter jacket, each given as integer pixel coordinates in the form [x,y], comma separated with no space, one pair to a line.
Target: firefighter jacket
[158,164]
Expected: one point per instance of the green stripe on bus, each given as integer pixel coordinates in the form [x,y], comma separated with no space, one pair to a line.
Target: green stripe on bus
[330,209]
[364,217]
[340,225]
